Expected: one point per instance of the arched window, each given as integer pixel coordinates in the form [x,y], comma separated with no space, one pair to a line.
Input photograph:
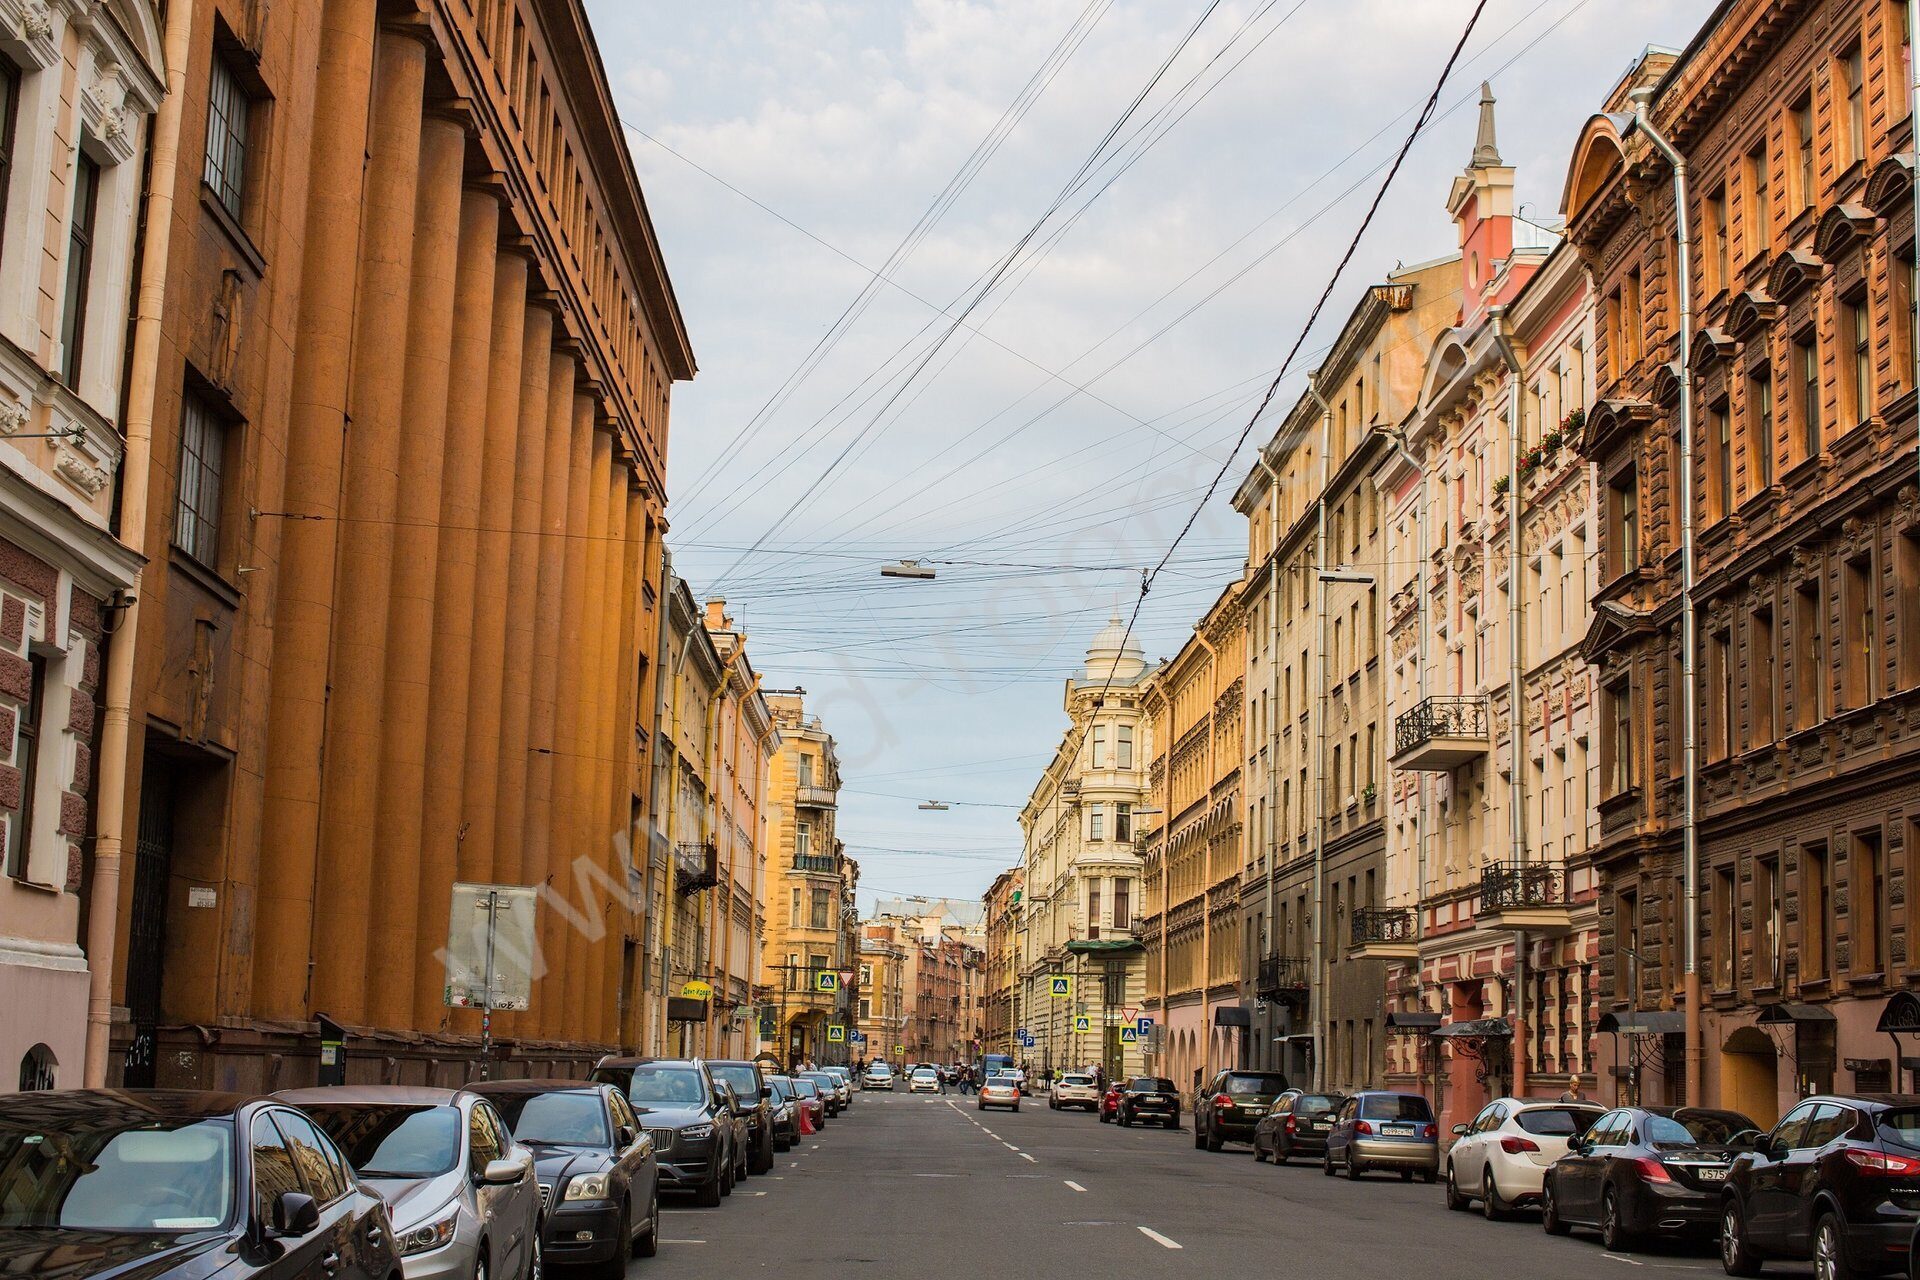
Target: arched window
[37,1069]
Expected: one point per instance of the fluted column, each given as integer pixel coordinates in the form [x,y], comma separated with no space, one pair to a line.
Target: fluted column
[303,586]
[616,739]
[482,786]
[523,582]
[406,879]
[456,555]
[350,788]
[577,987]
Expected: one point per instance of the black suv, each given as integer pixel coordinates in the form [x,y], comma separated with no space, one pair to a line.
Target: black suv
[1145,1098]
[755,1103]
[1837,1181]
[1296,1124]
[686,1116]
[1232,1105]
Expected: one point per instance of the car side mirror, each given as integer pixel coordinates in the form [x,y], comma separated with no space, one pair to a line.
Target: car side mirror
[627,1135]
[1581,1145]
[294,1214]
[1460,1131]
[766,1091]
[503,1172]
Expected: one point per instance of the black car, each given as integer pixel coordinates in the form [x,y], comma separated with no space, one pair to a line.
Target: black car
[1232,1105]
[1295,1125]
[599,1179]
[829,1089]
[1149,1098]
[1645,1171]
[173,1183]
[756,1100]
[1837,1181]
[687,1118]
[786,1112]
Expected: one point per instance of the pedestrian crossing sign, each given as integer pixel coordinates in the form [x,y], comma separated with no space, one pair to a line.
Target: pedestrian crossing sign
[1062,986]
[826,980]
[1129,1035]
[837,1035]
[1083,1023]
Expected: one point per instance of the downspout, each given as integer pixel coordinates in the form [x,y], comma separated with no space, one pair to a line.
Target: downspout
[143,375]
[1399,440]
[1913,137]
[1316,987]
[711,813]
[1516,680]
[1270,944]
[1206,886]
[1689,621]
[670,716]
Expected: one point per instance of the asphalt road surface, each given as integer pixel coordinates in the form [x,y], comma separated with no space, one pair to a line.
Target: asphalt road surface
[929,1188]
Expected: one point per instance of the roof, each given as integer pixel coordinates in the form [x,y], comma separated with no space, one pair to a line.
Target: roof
[1643,1022]
[1477,1029]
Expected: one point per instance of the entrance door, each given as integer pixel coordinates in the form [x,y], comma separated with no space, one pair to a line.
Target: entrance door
[1750,1076]
[147,926]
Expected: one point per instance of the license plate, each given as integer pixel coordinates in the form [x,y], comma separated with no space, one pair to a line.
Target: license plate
[1323,1125]
[1398,1130]
[1713,1175]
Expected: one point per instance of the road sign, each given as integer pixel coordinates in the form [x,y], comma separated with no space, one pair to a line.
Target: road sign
[1144,1026]
[899,1048]
[1129,1015]
[858,1037]
[836,1035]
[846,977]
[1128,1035]
[1062,986]
[1083,1023]
[1020,1033]
[826,980]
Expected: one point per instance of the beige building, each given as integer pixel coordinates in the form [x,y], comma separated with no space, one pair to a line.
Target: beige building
[884,999]
[1082,967]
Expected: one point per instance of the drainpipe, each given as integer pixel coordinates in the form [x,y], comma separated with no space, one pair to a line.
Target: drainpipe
[1206,890]
[1316,987]
[663,791]
[1399,441]
[1913,128]
[1269,945]
[143,370]
[1689,622]
[1516,680]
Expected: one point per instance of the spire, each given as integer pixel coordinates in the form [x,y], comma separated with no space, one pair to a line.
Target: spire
[1486,152]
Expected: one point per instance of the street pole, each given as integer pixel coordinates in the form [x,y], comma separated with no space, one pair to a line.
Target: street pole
[486,998]
[1316,986]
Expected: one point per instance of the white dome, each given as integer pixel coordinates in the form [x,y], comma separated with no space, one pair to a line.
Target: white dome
[1114,654]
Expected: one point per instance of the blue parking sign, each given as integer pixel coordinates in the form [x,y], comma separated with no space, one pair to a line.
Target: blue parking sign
[1144,1026]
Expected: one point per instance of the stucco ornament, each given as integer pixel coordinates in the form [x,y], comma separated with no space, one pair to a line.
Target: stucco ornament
[13,416]
[108,117]
[81,473]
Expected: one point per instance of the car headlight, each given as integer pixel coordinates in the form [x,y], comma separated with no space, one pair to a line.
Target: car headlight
[590,1186]
[694,1132]
[435,1233]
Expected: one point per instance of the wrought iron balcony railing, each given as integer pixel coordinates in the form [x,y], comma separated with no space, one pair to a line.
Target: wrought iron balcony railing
[1505,885]
[1382,924]
[1438,717]
[822,862]
[696,867]
[1280,975]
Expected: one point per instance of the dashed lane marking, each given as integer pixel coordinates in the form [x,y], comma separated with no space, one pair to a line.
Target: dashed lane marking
[1074,1185]
[683,1242]
[1159,1239]
[1026,1157]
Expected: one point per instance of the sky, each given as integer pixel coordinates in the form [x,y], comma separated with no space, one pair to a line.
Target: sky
[944,309]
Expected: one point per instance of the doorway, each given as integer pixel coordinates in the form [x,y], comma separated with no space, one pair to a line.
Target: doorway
[147,925]
[1750,1076]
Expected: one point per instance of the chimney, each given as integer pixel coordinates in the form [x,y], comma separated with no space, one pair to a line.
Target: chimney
[717,619]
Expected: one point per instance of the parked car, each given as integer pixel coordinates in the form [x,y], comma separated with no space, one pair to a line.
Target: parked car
[733,1113]
[844,1077]
[179,1185]
[811,1101]
[1074,1090]
[1296,1125]
[923,1080]
[1376,1129]
[676,1101]
[1643,1171]
[1110,1103]
[878,1076]
[1837,1181]
[1232,1105]
[757,1101]
[999,1091]
[829,1089]
[599,1178]
[786,1112]
[1148,1098]
[461,1192]
[1502,1155]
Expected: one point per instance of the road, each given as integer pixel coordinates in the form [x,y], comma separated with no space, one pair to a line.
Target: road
[929,1188]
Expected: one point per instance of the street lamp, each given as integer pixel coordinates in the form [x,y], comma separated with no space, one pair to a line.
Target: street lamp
[937,806]
[907,569]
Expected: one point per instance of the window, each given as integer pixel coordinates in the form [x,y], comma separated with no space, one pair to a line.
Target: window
[1626,923]
[1722,928]
[1867,874]
[73,322]
[1634,320]
[1806,373]
[227,107]
[1906,550]
[1760,428]
[1616,352]
[1859,340]
[1720,440]
[317,1160]
[820,910]
[1624,516]
[26,758]
[1850,84]
[273,1169]
[9,113]
[1719,695]
[1816,903]
[1803,144]
[1097,822]
[1906,332]
[1093,907]
[1860,623]
[1717,240]
[1766,921]
[484,1139]
[806,770]
[1123,904]
[1810,676]
[1123,746]
[1099,746]
[802,839]
[38,1070]
[1621,771]
[203,449]
[1123,821]
[1758,180]
[1761,670]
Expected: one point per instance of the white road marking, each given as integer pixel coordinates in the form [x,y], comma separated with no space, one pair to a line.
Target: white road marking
[1009,1146]
[683,1242]
[1075,1186]
[759,1193]
[1159,1239]
[1025,1156]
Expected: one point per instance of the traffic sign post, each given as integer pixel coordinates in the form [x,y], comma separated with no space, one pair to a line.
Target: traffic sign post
[1083,1023]
[1062,985]
[836,1035]
[1144,1027]
[826,980]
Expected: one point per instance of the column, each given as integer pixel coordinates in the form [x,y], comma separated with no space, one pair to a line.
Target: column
[593,1015]
[303,587]
[626,673]
[406,873]
[576,988]
[456,551]
[357,680]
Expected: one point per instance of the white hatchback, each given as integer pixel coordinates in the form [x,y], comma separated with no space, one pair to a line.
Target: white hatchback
[1501,1158]
[923,1080]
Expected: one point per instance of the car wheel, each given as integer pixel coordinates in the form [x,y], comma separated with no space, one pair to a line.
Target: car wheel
[1173,1122]
[1326,1163]
[536,1260]
[708,1197]
[1614,1235]
[1259,1156]
[1016,1108]
[1737,1257]
[480,1260]
[1281,1154]
[648,1242]
[1491,1204]
[1456,1199]
[1830,1250]
[1353,1167]
[1214,1141]
[1406,1175]
[615,1267]
[1550,1220]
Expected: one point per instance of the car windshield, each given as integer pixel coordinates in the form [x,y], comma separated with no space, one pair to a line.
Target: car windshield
[653,1085]
[1690,1127]
[393,1142]
[807,1088]
[1316,1104]
[1252,1085]
[742,1079]
[573,1119]
[1394,1106]
[1557,1122]
[1149,1084]
[1076,1079]
[781,1086]
[124,1176]
[923,1073]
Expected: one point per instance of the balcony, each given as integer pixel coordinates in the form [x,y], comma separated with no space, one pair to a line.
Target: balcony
[1441,734]
[695,867]
[816,863]
[1383,933]
[808,796]
[1283,977]
[1524,895]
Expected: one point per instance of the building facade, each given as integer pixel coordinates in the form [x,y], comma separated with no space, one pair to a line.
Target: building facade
[1793,119]
[1193,850]
[1082,967]
[744,743]
[399,619]
[1001,964]
[885,999]
[79,87]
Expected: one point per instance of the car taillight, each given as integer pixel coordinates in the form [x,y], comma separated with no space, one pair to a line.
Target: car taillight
[1430,1131]
[1222,1101]
[1361,1126]
[1290,1126]
[1514,1146]
[1652,1170]
[1882,1163]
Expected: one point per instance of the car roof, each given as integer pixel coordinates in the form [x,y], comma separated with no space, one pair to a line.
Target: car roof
[723,1062]
[402,1095]
[1870,1099]
[505,1088]
[85,1108]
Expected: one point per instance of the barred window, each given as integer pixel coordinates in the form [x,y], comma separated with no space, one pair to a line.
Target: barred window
[203,446]
[227,107]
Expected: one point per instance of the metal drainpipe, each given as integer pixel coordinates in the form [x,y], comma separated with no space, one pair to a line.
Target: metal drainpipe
[1913,130]
[1689,622]
[1206,893]
[1269,945]
[1516,678]
[1399,439]
[1316,987]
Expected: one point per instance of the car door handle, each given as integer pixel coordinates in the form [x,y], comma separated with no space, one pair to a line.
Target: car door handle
[376,1237]
[331,1262]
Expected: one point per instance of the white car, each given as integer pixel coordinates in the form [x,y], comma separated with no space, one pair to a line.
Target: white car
[1501,1158]
[1000,1091]
[1075,1090]
[878,1076]
[923,1080]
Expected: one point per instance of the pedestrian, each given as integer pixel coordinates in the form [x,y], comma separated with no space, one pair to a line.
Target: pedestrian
[966,1082]
[941,1076]
[1573,1093]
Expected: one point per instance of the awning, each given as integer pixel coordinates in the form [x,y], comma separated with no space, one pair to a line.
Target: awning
[1477,1029]
[1902,1014]
[1231,1015]
[1105,946]
[1417,1020]
[1643,1022]
[1774,1015]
